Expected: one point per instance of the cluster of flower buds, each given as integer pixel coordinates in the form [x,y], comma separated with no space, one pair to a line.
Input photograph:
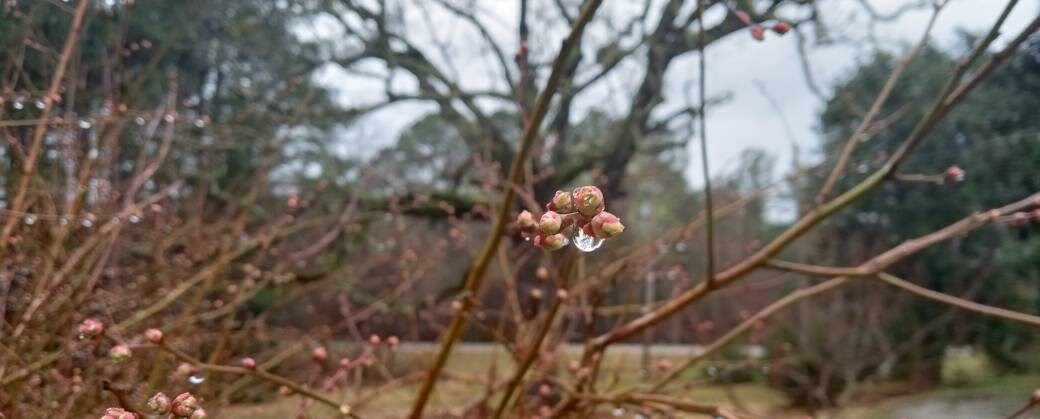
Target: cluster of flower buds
[91,328]
[118,413]
[758,30]
[569,212]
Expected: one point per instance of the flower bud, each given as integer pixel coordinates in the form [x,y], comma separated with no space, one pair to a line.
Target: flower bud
[344,363]
[953,174]
[744,17]
[184,369]
[319,354]
[758,32]
[199,413]
[248,362]
[588,200]
[91,328]
[1019,219]
[562,294]
[545,390]
[393,341]
[153,335]
[374,340]
[159,403]
[562,203]
[117,413]
[550,242]
[550,223]
[664,364]
[574,366]
[119,353]
[781,27]
[525,220]
[1035,397]
[184,405]
[1036,215]
[345,409]
[606,225]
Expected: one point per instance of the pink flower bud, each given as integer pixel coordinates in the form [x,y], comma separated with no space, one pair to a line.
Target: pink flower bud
[199,413]
[374,340]
[393,341]
[344,363]
[545,411]
[954,174]
[781,27]
[562,294]
[91,328]
[184,405]
[119,353]
[536,293]
[1019,219]
[345,409]
[550,242]
[664,364]
[606,225]
[319,354]
[993,214]
[744,17]
[184,369]
[159,403]
[588,200]
[545,390]
[562,203]
[574,366]
[758,32]
[550,223]
[118,413]
[248,362]
[1035,397]
[525,221]
[153,335]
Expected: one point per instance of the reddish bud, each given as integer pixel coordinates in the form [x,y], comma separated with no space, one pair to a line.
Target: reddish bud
[1019,219]
[606,225]
[119,353]
[159,403]
[953,174]
[573,366]
[563,203]
[551,242]
[758,32]
[550,223]
[781,27]
[184,369]
[344,363]
[199,413]
[374,340]
[248,362]
[588,200]
[319,354]
[664,364]
[184,405]
[525,220]
[91,328]
[545,390]
[562,294]
[393,341]
[118,413]
[744,17]
[542,273]
[1035,397]
[153,335]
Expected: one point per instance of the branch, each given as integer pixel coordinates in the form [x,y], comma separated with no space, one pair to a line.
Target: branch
[959,302]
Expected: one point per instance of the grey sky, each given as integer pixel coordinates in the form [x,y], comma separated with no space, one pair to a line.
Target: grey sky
[737,65]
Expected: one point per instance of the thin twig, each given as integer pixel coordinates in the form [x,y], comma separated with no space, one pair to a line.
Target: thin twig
[958,302]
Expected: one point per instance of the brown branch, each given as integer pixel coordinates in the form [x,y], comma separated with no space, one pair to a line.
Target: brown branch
[958,302]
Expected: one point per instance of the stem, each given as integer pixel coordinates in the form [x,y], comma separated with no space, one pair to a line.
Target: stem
[475,274]
[958,302]
[708,207]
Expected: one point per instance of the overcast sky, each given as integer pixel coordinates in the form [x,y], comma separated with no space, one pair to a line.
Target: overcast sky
[738,67]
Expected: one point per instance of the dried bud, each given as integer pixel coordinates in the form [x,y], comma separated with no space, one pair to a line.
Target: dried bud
[550,223]
[953,174]
[374,340]
[119,353]
[118,413]
[664,364]
[153,335]
[91,328]
[525,221]
[184,405]
[248,362]
[319,354]
[562,203]
[781,27]
[550,242]
[393,341]
[588,200]
[606,225]
[159,403]
[758,32]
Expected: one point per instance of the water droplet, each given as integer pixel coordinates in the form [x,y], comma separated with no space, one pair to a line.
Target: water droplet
[29,220]
[585,242]
[92,154]
[527,239]
[18,105]
[618,412]
[139,121]
[63,221]
[196,379]
[86,223]
[134,219]
[40,104]
[85,124]
[199,123]
[169,118]
[81,336]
